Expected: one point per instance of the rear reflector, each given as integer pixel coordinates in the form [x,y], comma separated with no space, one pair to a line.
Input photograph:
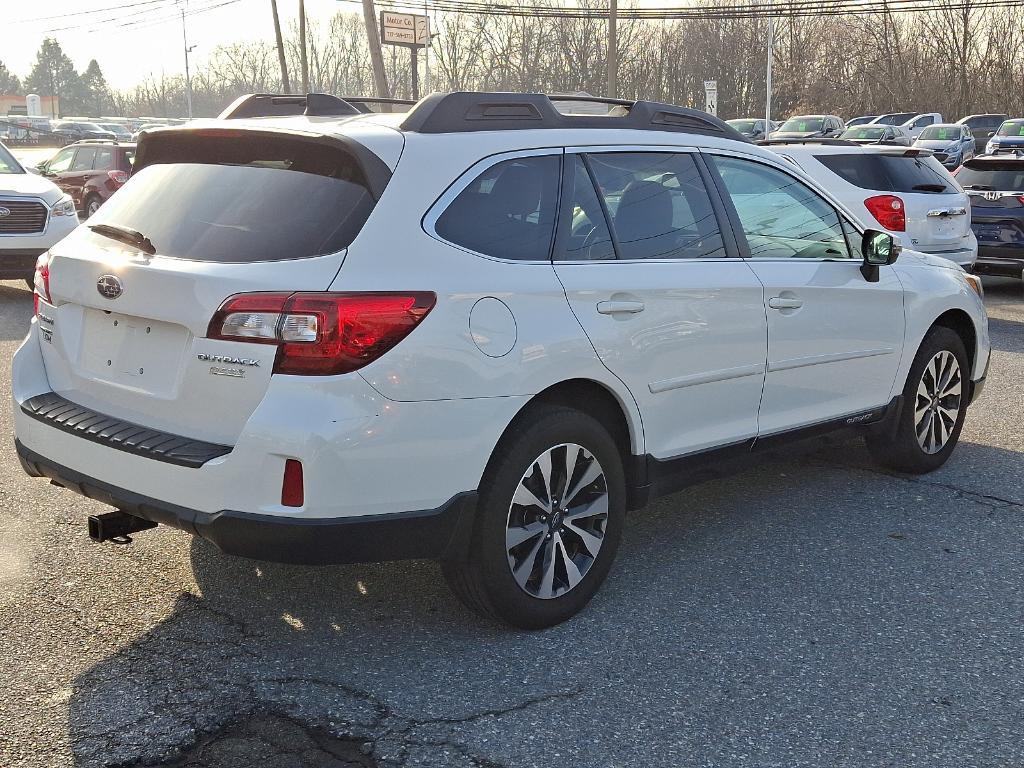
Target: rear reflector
[322,334]
[41,282]
[292,493]
[888,211]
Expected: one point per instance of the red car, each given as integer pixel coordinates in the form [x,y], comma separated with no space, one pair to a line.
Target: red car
[90,171]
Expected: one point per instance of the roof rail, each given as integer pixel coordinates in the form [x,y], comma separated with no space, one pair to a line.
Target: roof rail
[92,141]
[465,111]
[361,102]
[284,104]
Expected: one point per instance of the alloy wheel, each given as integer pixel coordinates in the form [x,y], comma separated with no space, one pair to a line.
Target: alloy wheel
[557,521]
[938,402]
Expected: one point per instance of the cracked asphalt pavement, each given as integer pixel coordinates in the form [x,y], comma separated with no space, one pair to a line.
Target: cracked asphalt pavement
[814,611]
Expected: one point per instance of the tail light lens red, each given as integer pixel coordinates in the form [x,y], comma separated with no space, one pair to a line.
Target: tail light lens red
[118,177]
[41,282]
[888,211]
[322,334]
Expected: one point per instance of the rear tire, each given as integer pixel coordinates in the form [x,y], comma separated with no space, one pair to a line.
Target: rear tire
[935,400]
[92,204]
[549,521]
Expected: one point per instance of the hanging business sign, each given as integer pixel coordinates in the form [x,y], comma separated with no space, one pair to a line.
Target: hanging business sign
[404,29]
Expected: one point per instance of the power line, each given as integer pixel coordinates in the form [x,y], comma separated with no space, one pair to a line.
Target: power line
[87,12]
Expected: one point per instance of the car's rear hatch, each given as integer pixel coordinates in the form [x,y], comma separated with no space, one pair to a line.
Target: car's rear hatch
[996,189]
[936,210]
[222,211]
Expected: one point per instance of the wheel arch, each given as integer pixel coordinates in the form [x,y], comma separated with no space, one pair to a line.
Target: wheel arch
[958,321]
[619,417]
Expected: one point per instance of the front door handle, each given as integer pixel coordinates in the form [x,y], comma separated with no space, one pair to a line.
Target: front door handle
[777,302]
[620,307]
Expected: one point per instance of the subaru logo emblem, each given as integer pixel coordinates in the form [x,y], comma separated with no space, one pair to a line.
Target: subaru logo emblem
[109,286]
[4,213]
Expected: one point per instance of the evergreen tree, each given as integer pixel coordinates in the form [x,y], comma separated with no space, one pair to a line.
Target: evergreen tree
[9,84]
[95,89]
[53,74]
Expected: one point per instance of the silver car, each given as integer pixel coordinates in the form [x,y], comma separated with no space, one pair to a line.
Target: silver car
[953,144]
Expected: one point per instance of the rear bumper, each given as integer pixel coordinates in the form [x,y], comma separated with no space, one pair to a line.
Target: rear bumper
[441,533]
[1000,260]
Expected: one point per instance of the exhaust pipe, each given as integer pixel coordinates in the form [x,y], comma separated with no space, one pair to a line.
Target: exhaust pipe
[116,527]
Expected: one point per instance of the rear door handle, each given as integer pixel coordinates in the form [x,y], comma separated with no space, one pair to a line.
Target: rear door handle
[620,307]
[777,302]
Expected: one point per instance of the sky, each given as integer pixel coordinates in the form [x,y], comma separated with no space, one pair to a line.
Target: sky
[132,39]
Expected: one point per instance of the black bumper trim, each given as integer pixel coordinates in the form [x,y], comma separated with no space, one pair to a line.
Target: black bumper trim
[59,412]
[434,534]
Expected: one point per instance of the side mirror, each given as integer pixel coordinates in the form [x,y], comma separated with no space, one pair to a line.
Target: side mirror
[879,249]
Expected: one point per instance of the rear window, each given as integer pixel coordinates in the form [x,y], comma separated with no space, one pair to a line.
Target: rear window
[243,200]
[889,173]
[1011,128]
[994,176]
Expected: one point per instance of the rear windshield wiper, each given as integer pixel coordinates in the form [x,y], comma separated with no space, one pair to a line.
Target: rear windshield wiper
[980,187]
[929,187]
[124,235]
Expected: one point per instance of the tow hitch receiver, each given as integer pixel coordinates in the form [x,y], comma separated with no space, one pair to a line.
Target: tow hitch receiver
[116,527]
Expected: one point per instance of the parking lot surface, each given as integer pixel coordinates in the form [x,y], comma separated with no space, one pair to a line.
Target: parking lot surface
[813,611]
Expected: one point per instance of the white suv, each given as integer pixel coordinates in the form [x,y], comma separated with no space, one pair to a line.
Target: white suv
[478,332]
[905,191]
[34,214]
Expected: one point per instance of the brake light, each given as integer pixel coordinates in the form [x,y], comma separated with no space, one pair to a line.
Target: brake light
[292,493]
[322,334]
[118,177]
[888,211]
[41,282]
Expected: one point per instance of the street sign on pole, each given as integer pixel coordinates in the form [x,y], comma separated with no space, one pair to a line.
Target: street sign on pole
[711,96]
[404,29]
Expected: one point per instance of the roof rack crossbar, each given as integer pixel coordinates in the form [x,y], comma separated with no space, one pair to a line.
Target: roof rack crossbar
[465,111]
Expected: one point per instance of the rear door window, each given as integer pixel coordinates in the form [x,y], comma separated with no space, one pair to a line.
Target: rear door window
[244,198]
[508,211]
[889,173]
[658,204]
[104,159]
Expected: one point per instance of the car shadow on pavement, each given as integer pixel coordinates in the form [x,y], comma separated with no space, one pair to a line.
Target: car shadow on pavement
[15,310]
[813,610]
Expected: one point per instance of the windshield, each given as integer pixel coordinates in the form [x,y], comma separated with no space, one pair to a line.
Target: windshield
[8,164]
[1013,128]
[743,126]
[228,199]
[802,125]
[865,132]
[898,118]
[940,133]
[999,176]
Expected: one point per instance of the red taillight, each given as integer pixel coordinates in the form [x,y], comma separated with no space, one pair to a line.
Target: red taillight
[956,170]
[888,211]
[118,177]
[322,334]
[292,493]
[41,281]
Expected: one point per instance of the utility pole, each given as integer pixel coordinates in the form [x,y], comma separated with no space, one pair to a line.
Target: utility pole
[768,78]
[414,72]
[426,51]
[280,49]
[302,46]
[188,49]
[380,79]
[613,49]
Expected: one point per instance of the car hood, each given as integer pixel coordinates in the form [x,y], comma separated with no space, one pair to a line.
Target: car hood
[17,184]
[1008,141]
[795,134]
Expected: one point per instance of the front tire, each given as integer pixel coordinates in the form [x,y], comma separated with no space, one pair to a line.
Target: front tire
[549,521]
[92,204]
[935,400]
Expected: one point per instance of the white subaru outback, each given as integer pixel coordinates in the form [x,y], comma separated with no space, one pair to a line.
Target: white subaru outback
[478,332]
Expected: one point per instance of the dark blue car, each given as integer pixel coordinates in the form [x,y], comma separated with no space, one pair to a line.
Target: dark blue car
[995,185]
[1008,137]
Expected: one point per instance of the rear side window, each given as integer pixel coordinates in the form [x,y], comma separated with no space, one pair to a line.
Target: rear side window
[508,211]
[658,205]
[889,173]
[104,159]
[244,198]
